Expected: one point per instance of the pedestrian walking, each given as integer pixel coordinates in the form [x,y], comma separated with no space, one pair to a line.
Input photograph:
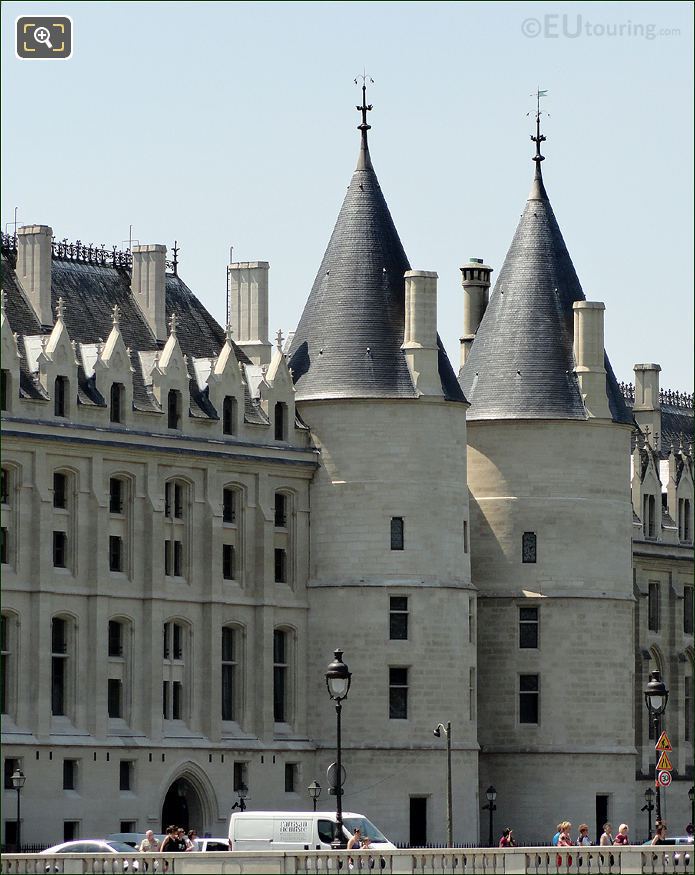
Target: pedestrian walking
[507,840]
[621,836]
[660,835]
[555,838]
[149,843]
[190,840]
[169,841]
[607,835]
[583,838]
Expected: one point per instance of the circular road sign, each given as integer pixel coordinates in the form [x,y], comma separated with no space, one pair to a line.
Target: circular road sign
[664,778]
[332,775]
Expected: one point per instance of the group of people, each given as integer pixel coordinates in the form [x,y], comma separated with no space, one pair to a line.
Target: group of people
[175,840]
[563,836]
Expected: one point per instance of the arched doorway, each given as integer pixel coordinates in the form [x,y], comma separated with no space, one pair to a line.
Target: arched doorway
[183,807]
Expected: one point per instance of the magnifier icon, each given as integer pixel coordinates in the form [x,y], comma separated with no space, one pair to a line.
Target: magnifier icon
[43,35]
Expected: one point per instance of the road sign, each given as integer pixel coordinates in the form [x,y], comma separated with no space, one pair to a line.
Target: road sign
[332,775]
[663,743]
[664,778]
[664,764]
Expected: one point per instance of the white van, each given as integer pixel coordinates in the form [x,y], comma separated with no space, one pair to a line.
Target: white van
[297,830]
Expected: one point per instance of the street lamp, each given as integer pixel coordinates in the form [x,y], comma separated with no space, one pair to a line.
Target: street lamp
[648,807]
[338,679]
[314,790]
[18,781]
[656,697]
[449,823]
[242,793]
[491,795]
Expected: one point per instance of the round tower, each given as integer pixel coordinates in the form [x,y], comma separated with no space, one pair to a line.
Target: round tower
[548,473]
[389,579]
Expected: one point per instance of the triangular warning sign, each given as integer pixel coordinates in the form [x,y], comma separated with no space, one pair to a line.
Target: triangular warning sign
[663,743]
[664,764]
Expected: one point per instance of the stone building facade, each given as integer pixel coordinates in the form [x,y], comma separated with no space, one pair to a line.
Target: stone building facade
[193,520]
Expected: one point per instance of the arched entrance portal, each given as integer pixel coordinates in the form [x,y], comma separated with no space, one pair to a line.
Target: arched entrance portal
[183,807]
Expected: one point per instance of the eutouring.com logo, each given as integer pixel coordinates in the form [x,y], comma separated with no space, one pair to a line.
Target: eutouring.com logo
[565,26]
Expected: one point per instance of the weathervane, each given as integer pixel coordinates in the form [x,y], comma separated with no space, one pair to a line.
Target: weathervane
[539,138]
[365,108]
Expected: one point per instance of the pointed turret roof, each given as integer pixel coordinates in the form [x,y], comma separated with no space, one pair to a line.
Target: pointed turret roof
[521,363]
[348,341]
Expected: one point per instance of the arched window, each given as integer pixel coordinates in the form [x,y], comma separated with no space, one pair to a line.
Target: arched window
[280,418]
[174,409]
[229,415]
[61,389]
[175,703]
[117,407]
[232,642]
[62,666]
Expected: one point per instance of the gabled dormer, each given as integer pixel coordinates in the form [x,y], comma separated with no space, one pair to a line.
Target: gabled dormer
[646,490]
[57,366]
[226,387]
[170,379]
[113,373]
[10,356]
[277,395]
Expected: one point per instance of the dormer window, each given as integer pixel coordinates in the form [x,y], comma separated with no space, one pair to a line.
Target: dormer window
[60,396]
[117,402]
[4,389]
[280,421]
[174,409]
[649,516]
[229,415]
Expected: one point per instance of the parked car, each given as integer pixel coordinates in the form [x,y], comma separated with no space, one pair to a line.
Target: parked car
[208,844]
[92,846]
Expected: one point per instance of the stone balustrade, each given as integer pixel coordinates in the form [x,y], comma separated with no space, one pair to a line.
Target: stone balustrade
[510,861]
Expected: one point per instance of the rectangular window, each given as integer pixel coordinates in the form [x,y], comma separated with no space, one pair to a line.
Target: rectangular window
[280,510]
[688,703]
[10,767]
[280,415]
[228,561]
[60,396]
[229,415]
[115,697]
[472,694]
[178,501]
[465,536]
[173,408]
[654,606]
[3,545]
[125,775]
[165,700]
[398,618]
[117,393]
[58,686]
[397,533]
[280,565]
[115,495]
[168,487]
[178,640]
[178,559]
[228,673]
[528,547]
[5,487]
[229,506]
[291,775]
[69,774]
[115,638]
[239,776]
[167,559]
[280,676]
[60,545]
[398,694]
[115,553]
[4,388]
[471,621]
[688,610]
[177,701]
[71,830]
[528,698]
[128,826]
[4,665]
[528,628]
[60,490]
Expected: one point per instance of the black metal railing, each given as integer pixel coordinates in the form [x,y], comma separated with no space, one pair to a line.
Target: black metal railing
[63,250]
[666,396]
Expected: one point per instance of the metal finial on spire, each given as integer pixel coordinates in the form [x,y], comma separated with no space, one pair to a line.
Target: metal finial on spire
[60,308]
[279,339]
[539,138]
[364,162]
[116,316]
[176,258]
[173,322]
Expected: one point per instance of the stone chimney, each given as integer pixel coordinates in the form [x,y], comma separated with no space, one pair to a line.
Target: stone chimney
[589,357]
[148,286]
[476,294]
[420,337]
[247,294]
[34,268]
[647,406]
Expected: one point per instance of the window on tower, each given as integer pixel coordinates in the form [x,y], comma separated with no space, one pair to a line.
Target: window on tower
[528,547]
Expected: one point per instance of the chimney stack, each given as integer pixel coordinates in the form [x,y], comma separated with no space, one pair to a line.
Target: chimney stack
[476,294]
[34,268]
[647,406]
[247,292]
[148,286]
[420,337]
[589,357]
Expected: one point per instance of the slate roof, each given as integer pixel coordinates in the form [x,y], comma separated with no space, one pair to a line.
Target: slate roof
[89,292]
[348,341]
[521,362]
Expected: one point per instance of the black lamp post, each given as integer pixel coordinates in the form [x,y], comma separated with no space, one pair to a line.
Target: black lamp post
[491,795]
[449,822]
[18,781]
[314,790]
[242,793]
[338,679]
[656,697]
[648,807]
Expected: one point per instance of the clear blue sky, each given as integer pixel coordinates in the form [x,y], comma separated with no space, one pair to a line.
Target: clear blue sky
[235,123]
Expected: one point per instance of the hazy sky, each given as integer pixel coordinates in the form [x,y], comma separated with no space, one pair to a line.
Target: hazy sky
[222,124]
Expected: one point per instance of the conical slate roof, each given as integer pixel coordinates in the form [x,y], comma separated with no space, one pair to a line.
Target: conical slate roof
[521,363]
[348,341]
